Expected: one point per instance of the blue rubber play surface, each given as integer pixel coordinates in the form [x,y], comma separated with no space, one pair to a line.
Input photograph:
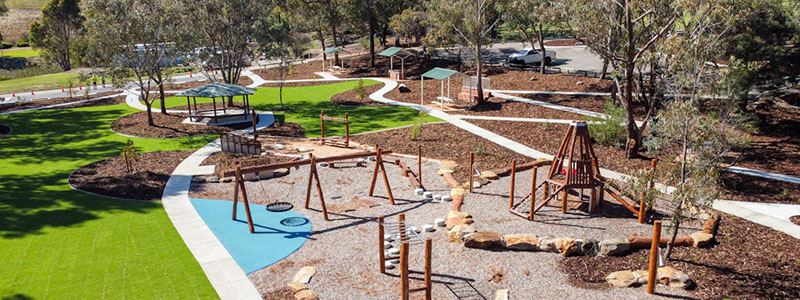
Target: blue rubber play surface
[278,234]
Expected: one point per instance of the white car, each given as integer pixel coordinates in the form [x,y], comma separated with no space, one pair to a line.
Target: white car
[530,56]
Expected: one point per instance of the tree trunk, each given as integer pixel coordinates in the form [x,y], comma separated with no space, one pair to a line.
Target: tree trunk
[671,243]
[163,98]
[384,33]
[322,41]
[149,113]
[335,44]
[371,36]
[541,45]
[480,70]
[605,69]
[634,140]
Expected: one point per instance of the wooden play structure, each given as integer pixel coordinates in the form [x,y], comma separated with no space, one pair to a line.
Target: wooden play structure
[328,141]
[401,233]
[581,173]
[234,143]
[313,176]
[414,178]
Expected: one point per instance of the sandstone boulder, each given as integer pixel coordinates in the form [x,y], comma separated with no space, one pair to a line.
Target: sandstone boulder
[641,276]
[567,246]
[212,179]
[622,279]
[457,233]
[501,294]
[483,240]
[306,295]
[521,242]
[614,247]
[701,239]
[456,192]
[548,244]
[490,175]
[674,278]
[297,286]
[448,165]
[455,218]
[304,275]
[589,247]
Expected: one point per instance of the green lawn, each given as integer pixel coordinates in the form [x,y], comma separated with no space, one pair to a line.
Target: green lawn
[41,82]
[305,103]
[62,244]
[28,52]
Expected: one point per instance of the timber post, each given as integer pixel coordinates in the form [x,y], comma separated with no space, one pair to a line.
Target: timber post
[513,175]
[471,163]
[651,275]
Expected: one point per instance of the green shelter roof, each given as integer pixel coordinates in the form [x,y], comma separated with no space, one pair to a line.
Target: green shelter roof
[217,90]
[331,50]
[439,73]
[390,51]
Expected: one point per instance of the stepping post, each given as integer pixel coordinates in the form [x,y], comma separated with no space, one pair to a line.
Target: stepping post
[513,174]
[471,163]
[651,274]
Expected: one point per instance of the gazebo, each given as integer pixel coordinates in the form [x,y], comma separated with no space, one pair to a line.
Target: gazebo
[401,53]
[228,115]
[333,51]
[442,75]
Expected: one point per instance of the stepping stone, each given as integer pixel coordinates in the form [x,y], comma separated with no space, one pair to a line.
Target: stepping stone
[395,261]
[414,229]
[198,179]
[372,158]
[336,197]
[388,265]
[394,251]
[323,164]
[427,195]
[279,146]
[388,237]
[212,179]
[437,197]
[439,222]
[428,228]
[446,198]
[304,275]
[387,245]
[304,149]
[419,191]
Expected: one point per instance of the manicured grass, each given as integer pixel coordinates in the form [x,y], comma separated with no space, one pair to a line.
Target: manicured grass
[27,52]
[62,244]
[304,105]
[41,82]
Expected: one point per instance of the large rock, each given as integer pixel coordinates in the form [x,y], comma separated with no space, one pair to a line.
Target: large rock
[306,295]
[459,191]
[280,172]
[304,275]
[589,247]
[568,246]
[674,278]
[641,276]
[198,179]
[521,242]
[457,233]
[403,88]
[448,165]
[490,175]
[483,240]
[548,244]
[455,218]
[622,279]
[212,179]
[614,247]
[701,239]
[226,179]
[297,286]
[501,294]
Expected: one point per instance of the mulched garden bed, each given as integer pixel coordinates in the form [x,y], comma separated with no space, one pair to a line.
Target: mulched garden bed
[110,178]
[288,129]
[445,141]
[167,126]
[304,70]
[560,42]
[499,107]
[225,160]
[750,262]
[547,138]
[48,102]
[795,219]
[4,130]
[351,97]
[775,147]
[748,188]
[590,103]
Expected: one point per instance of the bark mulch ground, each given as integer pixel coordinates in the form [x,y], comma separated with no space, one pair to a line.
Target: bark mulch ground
[498,107]
[167,126]
[445,141]
[748,188]
[795,219]
[285,129]
[109,177]
[509,79]
[225,160]
[775,147]
[303,70]
[47,102]
[351,97]
[547,138]
[750,261]
[590,103]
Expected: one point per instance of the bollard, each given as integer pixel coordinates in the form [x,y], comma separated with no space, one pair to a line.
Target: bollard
[651,275]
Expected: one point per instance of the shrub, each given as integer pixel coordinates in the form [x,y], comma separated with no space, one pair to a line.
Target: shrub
[416,130]
[360,92]
[5,45]
[23,44]
[609,131]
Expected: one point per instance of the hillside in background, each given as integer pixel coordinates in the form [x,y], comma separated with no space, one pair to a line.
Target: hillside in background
[21,14]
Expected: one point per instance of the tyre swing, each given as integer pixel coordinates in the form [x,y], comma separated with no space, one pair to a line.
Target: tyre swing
[278,206]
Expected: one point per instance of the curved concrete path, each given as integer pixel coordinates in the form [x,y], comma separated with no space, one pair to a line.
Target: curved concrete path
[227,278]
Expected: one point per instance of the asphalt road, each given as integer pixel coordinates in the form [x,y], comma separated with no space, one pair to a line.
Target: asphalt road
[567,57]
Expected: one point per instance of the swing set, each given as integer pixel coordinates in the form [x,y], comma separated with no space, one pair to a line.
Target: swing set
[313,176]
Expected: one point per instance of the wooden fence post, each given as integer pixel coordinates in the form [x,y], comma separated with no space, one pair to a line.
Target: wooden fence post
[347,130]
[471,163]
[381,255]
[428,272]
[533,192]
[419,164]
[513,175]
[322,121]
[651,275]
[404,270]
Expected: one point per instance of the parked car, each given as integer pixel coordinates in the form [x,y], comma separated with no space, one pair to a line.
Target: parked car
[530,56]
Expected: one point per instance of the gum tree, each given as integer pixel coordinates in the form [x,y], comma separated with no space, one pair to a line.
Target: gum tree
[55,31]
[530,17]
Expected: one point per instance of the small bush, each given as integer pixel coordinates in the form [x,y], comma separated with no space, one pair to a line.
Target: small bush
[416,130]
[609,131]
[360,92]
[23,44]
[5,45]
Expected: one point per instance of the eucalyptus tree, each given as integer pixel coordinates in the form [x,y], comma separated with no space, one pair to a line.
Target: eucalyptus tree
[138,41]
[470,20]
[279,38]
[408,23]
[55,31]
[222,33]
[624,32]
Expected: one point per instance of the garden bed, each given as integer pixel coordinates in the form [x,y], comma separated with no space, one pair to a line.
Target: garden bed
[287,129]
[110,178]
[750,262]
[350,98]
[303,70]
[77,97]
[167,126]
[445,141]
[775,147]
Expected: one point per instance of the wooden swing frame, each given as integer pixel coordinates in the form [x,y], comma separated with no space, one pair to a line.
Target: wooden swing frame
[313,175]
[345,120]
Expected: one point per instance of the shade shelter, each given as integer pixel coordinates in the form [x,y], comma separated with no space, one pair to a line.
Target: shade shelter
[222,112]
[441,74]
[401,53]
[335,51]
